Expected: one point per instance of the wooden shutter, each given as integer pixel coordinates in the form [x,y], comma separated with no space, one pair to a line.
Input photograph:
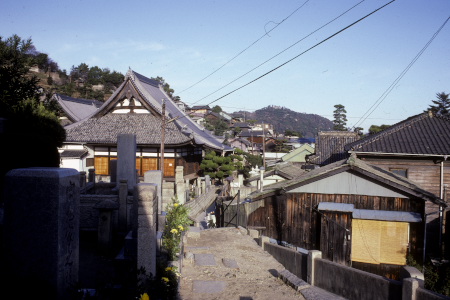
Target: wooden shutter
[101,165]
[149,164]
[169,167]
[378,242]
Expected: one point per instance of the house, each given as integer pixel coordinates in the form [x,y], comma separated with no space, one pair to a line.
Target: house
[329,147]
[299,155]
[242,144]
[199,110]
[136,107]
[279,172]
[357,214]
[75,109]
[418,149]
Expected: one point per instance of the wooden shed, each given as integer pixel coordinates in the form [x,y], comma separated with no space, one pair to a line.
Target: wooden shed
[356,214]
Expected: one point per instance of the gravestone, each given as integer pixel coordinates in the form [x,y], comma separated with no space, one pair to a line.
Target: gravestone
[41,230]
[145,209]
[126,159]
[155,177]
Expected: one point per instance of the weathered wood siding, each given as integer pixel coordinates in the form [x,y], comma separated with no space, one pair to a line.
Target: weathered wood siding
[426,173]
[294,218]
[335,243]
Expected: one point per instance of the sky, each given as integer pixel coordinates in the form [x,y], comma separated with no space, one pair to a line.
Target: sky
[304,55]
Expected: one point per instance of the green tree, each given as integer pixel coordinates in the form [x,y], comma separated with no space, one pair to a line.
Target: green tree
[340,118]
[289,132]
[217,109]
[441,104]
[375,128]
[165,86]
[219,167]
[358,130]
[28,122]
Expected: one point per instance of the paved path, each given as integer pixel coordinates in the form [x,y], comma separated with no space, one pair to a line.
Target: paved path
[224,263]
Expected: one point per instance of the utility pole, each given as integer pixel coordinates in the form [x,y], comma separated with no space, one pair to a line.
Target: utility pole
[264,147]
[163,137]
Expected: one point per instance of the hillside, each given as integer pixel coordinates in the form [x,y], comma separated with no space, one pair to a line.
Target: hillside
[284,119]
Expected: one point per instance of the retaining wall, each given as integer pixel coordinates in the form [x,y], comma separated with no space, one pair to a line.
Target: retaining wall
[350,283]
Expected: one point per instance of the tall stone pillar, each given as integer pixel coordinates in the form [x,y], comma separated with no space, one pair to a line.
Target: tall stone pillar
[41,230]
[126,162]
[146,212]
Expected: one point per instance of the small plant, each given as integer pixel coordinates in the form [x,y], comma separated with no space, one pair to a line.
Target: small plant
[177,221]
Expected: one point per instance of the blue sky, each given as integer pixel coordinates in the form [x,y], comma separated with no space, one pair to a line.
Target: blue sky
[194,46]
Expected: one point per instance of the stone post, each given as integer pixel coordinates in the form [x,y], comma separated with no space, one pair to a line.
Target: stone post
[155,177]
[123,194]
[409,288]
[91,176]
[198,185]
[147,207]
[203,187]
[126,163]
[105,224]
[113,170]
[312,256]
[180,185]
[240,180]
[207,182]
[82,179]
[41,230]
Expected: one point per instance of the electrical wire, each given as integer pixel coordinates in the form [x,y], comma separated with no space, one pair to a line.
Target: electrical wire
[290,60]
[234,57]
[297,56]
[397,80]
[279,53]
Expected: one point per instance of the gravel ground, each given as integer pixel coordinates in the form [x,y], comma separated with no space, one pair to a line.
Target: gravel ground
[223,263]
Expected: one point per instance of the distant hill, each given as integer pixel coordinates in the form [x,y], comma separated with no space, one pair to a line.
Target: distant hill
[284,119]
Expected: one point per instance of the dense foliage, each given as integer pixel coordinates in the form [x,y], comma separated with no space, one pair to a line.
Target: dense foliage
[219,167]
[441,105]
[32,133]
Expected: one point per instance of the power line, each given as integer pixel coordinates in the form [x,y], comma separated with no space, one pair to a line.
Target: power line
[397,80]
[234,57]
[279,53]
[290,60]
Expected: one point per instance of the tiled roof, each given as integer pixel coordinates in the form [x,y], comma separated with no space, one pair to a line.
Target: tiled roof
[180,129]
[77,109]
[286,170]
[423,134]
[330,146]
[356,165]
[73,153]
[154,94]
[104,130]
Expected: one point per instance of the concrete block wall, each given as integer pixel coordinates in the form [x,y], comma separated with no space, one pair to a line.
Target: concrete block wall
[348,282]
[294,261]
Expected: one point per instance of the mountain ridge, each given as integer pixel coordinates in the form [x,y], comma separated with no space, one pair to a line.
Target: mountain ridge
[282,119]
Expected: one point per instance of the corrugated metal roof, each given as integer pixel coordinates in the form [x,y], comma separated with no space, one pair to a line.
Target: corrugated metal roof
[368,214]
[383,215]
[331,206]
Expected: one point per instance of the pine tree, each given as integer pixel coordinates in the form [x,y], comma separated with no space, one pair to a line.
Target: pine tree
[441,105]
[340,118]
